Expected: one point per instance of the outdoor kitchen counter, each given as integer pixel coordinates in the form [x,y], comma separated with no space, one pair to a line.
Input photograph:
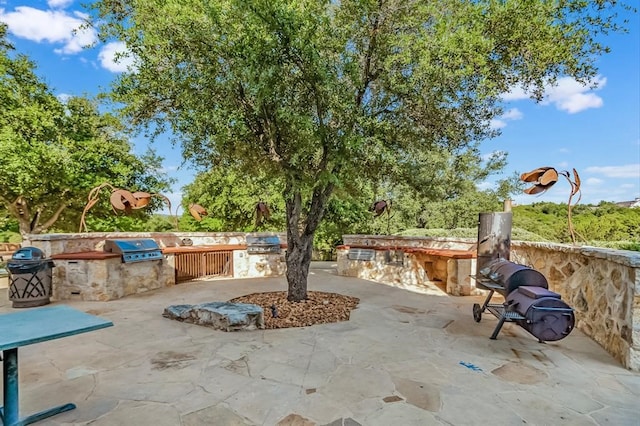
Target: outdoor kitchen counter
[102,276]
[449,269]
[203,249]
[447,253]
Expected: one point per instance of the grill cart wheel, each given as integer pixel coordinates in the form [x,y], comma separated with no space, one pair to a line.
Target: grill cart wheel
[477,312]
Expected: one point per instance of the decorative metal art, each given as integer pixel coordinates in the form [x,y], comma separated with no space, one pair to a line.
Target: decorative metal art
[544,178]
[380,207]
[197,211]
[121,200]
[262,213]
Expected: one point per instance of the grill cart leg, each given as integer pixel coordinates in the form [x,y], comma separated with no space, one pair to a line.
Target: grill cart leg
[487,300]
[496,330]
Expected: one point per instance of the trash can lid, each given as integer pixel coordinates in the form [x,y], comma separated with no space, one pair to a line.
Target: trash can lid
[28,253]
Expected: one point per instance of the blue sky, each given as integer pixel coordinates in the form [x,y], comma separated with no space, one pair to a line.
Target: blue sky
[596,131]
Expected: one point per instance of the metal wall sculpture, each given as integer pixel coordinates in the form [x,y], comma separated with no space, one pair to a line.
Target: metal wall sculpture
[544,178]
[380,207]
[262,213]
[121,200]
[197,211]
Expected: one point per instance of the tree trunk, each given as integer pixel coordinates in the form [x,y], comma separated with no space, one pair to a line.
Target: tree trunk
[300,237]
[27,223]
[21,211]
[298,262]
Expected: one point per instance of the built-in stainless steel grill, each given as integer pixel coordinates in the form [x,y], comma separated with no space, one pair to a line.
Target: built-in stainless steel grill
[266,244]
[528,302]
[134,250]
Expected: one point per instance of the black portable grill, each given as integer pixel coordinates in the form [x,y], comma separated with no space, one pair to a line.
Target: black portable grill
[528,302]
[267,244]
[141,250]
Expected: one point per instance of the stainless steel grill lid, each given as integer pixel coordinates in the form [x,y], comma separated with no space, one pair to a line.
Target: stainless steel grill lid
[139,250]
[264,244]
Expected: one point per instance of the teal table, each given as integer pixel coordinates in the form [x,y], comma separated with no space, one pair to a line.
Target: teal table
[35,326]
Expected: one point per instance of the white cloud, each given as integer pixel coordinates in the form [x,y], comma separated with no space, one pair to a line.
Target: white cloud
[497,124]
[572,96]
[59,4]
[626,171]
[515,94]
[567,94]
[563,164]
[168,169]
[510,115]
[594,181]
[115,57]
[564,151]
[64,97]
[484,185]
[52,26]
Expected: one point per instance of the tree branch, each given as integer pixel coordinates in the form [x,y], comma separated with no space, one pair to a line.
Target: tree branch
[367,75]
[54,217]
[316,210]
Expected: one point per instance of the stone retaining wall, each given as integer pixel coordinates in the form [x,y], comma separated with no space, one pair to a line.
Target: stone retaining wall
[53,244]
[602,285]
[416,242]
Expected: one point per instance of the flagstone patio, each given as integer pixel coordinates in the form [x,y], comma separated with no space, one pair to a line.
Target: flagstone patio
[404,358]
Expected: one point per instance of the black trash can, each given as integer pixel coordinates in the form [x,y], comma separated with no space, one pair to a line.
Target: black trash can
[29,278]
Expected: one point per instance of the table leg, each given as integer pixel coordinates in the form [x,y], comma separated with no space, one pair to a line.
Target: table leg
[46,413]
[10,412]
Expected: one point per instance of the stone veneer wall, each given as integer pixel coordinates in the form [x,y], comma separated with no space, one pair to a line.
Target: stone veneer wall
[94,241]
[602,285]
[400,241]
[258,265]
[107,279]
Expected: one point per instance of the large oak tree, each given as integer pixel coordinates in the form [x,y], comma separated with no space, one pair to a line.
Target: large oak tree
[320,93]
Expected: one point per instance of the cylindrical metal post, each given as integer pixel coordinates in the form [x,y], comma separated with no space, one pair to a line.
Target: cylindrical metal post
[11,413]
[494,238]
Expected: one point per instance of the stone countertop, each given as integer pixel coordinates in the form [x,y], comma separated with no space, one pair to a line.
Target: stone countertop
[203,249]
[86,255]
[451,253]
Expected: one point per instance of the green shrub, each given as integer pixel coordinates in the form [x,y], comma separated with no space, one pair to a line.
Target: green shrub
[516,233]
[10,237]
